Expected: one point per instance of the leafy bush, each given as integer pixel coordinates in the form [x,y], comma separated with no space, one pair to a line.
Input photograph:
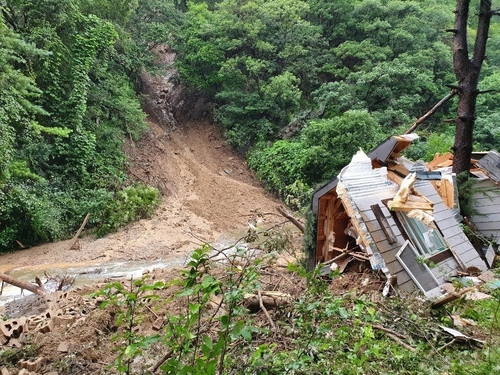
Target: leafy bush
[317,332]
[324,147]
[129,204]
[428,145]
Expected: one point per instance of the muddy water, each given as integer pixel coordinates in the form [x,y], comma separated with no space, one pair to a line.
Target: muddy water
[91,272]
[84,273]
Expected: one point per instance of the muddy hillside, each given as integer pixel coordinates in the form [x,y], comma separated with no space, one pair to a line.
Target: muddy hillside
[206,187]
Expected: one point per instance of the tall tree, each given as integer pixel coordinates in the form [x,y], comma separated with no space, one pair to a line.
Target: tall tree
[467,72]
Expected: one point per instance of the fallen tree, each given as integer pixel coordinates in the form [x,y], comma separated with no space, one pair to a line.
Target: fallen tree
[36,289]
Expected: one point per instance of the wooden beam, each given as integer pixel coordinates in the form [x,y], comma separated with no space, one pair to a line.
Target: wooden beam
[438,160]
[384,224]
[399,169]
[393,176]
[408,206]
[447,191]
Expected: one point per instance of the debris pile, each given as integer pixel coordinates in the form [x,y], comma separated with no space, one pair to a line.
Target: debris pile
[61,310]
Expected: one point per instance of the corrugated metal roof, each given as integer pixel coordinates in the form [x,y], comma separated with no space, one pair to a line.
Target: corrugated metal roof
[367,183]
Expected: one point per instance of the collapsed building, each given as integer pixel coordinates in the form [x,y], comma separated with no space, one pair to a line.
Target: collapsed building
[401,216]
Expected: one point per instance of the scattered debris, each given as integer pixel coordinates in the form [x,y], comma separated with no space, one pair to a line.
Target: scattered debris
[459,337]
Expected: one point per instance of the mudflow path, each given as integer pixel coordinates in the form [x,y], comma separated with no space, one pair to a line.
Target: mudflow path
[207,191]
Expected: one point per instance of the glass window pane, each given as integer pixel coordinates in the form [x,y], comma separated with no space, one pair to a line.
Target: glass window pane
[426,239]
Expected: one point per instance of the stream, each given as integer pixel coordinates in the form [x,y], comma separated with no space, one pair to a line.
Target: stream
[89,273]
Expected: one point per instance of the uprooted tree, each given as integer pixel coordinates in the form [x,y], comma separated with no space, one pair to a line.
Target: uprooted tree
[467,71]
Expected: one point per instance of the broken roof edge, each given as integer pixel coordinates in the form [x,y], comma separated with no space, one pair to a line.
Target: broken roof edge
[489,165]
[364,239]
[382,152]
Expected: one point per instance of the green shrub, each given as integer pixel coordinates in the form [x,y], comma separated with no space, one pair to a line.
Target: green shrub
[129,204]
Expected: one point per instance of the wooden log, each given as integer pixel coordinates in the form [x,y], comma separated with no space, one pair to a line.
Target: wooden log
[293,220]
[22,284]
[270,300]
[75,238]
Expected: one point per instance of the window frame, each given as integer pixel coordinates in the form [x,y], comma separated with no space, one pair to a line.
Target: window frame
[416,236]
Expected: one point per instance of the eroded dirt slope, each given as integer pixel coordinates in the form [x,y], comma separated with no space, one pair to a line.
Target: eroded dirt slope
[207,188]
[207,191]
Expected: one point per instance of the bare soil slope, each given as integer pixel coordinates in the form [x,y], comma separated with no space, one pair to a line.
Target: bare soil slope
[207,188]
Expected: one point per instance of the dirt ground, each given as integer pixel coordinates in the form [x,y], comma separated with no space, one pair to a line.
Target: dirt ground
[207,191]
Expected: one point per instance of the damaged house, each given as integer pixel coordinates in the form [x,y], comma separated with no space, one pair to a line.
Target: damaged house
[398,215]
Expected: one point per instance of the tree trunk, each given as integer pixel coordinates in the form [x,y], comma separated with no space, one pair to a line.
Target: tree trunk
[22,284]
[467,73]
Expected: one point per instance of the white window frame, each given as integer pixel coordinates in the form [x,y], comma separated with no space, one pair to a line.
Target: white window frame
[422,241]
[429,293]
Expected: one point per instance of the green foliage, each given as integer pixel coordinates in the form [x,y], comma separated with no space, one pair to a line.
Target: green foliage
[128,303]
[278,166]
[13,356]
[266,63]
[323,148]
[192,348]
[318,332]
[129,204]
[486,314]
[254,59]
[66,104]
[309,240]
[427,146]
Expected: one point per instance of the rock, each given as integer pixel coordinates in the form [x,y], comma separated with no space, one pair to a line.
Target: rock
[63,347]
[487,276]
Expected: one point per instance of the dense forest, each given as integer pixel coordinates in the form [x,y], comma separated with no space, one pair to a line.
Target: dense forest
[298,86]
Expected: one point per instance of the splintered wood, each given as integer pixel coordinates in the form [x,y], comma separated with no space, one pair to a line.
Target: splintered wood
[408,199]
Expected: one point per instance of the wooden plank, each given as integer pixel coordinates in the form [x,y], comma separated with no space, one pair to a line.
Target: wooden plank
[438,159]
[486,226]
[408,206]
[399,169]
[447,191]
[492,208]
[450,297]
[384,224]
[490,218]
[490,163]
[481,200]
[459,261]
[393,176]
